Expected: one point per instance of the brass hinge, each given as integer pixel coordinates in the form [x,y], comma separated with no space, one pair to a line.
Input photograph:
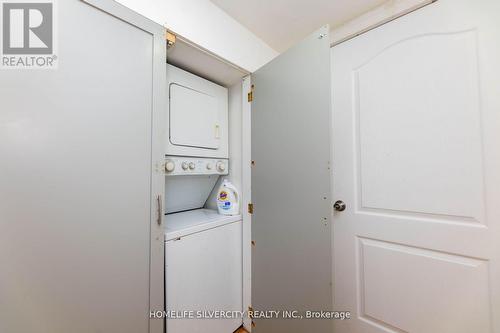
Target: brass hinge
[171,38]
[250,94]
[250,208]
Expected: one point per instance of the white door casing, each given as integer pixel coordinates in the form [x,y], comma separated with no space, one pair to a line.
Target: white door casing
[416,126]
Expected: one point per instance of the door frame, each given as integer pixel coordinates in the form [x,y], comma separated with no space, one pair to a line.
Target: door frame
[246,196]
[376,18]
[159,107]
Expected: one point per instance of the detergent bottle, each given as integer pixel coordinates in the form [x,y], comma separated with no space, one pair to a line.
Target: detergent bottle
[228,199]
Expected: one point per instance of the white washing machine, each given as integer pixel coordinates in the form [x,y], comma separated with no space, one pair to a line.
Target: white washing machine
[198,116]
[203,249]
[203,271]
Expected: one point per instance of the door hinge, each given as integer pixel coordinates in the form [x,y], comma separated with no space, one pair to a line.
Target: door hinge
[171,38]
[250,208]
[250,94]
[253,243]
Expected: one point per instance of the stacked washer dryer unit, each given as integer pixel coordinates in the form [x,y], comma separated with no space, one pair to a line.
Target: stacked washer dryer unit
[202,249]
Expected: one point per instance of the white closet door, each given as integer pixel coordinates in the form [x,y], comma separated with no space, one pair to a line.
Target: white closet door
[80,247]
[291,259]
[416,129]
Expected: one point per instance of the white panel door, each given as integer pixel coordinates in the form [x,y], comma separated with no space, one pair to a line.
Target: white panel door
[416,128]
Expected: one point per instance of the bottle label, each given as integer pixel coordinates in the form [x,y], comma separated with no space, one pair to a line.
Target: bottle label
[223,196]
[224,202]
[225,205]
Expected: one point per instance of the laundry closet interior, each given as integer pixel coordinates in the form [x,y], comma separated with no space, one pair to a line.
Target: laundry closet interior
[225,123]
[203,248]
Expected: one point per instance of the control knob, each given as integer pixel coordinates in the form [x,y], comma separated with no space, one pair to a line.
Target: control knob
[221,166]
[169,166]
[185,165]
[192,166]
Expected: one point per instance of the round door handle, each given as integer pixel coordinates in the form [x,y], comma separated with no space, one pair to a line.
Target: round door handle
[339,206]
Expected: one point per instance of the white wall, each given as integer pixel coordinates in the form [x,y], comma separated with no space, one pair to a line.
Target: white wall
[235,142]
[205,24]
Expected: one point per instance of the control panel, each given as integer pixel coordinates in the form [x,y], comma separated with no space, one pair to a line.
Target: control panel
[178,165]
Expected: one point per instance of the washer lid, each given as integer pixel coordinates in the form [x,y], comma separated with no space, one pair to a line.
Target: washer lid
[193,221]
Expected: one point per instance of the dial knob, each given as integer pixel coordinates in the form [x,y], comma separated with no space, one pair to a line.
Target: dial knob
[209,166]
[191,166]
[169,166]
[185,165]
[221,166]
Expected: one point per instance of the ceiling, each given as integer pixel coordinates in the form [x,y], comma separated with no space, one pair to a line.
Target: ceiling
[282,23]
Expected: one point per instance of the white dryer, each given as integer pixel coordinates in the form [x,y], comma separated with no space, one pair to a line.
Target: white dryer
[197,117]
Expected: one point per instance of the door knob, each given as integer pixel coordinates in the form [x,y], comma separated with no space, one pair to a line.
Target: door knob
[339,206]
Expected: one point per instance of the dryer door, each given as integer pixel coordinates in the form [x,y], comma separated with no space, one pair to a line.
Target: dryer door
[193,118]
[198,116]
